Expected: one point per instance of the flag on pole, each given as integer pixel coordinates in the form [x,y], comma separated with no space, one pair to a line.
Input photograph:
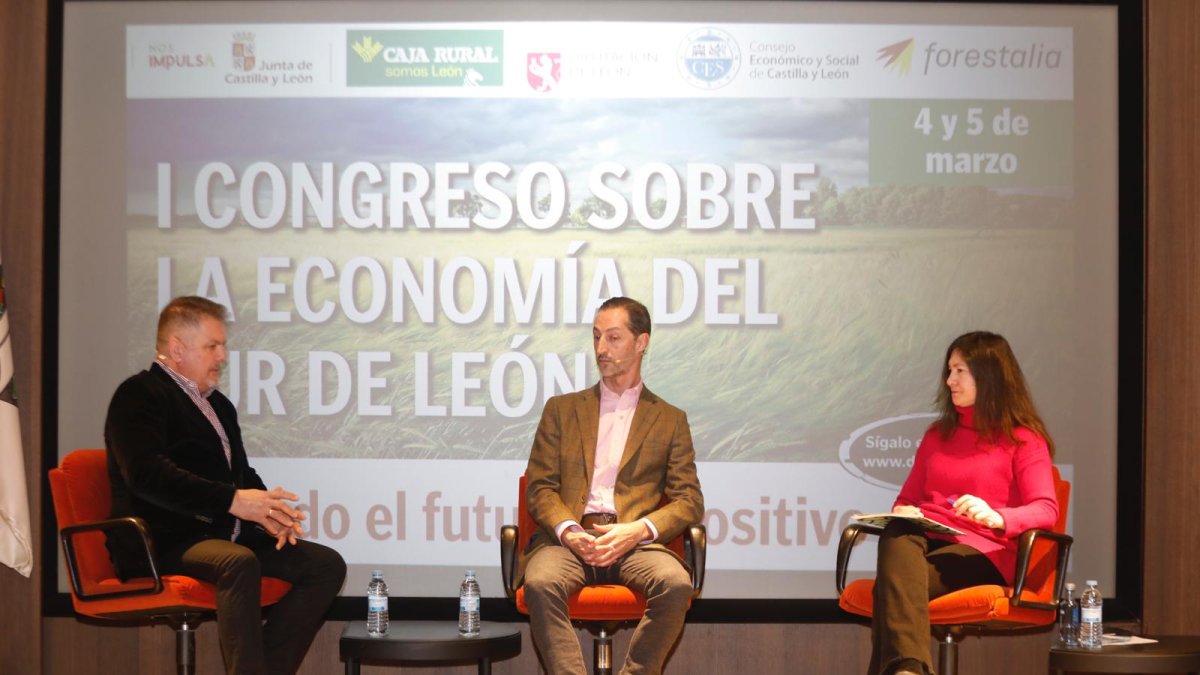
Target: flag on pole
[15,548]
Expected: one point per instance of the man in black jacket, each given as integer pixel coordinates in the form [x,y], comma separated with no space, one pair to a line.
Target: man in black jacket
[176,460]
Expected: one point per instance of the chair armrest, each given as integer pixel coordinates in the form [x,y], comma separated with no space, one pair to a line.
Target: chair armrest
[68,541]
[508,559]
[1024,550]
[849,536]
[695,552]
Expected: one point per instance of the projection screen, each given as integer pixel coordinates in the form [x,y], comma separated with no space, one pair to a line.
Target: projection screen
[412,210]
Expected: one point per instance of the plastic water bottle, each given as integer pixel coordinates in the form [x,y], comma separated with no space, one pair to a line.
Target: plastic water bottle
[377,605]
[1068,618]
[1091,622]
[468,606]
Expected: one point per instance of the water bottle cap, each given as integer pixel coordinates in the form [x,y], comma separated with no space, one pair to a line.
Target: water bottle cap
[1091,582]
[470,573]
[1070,586]
[376,573]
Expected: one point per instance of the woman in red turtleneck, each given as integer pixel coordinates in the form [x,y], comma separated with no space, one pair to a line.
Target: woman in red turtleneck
[982,468]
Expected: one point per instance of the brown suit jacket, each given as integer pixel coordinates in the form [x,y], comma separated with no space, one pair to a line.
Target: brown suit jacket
[658,461]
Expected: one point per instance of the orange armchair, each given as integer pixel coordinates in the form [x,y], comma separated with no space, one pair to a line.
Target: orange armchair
[82,504]
[1032,600]
[604,606]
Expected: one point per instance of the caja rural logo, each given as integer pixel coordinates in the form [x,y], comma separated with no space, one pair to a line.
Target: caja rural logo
[425,58]
[367,48]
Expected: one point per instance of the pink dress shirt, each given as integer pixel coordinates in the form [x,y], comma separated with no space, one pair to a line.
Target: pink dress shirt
[616,420]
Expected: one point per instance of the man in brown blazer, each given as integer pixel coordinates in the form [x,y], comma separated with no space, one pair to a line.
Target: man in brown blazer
[602,461]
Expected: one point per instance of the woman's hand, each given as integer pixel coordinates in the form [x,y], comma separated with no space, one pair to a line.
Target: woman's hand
[907,510]
[978,511]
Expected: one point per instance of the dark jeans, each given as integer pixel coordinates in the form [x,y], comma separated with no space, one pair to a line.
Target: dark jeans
[248,646]
[912,570]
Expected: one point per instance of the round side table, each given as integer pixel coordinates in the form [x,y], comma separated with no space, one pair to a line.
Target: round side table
[1171,654]
[430,641]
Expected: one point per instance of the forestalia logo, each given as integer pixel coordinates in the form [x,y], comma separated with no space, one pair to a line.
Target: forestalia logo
[897,56]
[367,48]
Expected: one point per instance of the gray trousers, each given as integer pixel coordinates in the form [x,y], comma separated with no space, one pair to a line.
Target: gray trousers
[553,574]
[249,646]
[913,569]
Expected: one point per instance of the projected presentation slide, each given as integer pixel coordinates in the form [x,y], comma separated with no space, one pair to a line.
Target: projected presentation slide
[412,224]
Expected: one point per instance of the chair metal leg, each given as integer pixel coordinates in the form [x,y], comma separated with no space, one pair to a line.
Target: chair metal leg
[602,648]
[947,654]
[185,648]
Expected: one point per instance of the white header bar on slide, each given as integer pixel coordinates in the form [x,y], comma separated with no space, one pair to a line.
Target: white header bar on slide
[599,60]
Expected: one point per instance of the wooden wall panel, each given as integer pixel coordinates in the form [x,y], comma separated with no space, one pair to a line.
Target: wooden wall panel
[22,95]
[1172,459]
[75,648]
[719,649]
[1172,426]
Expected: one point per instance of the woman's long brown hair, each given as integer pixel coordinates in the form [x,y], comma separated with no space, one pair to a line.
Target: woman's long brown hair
[1002,400]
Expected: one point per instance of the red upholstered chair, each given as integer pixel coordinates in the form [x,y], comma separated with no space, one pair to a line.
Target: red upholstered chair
[1032,601]
[604,607]
[83,503]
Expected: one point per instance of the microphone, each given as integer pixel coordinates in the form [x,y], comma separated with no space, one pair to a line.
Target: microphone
[620,361]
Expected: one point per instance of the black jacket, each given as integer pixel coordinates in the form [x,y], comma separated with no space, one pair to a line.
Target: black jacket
[167,466]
